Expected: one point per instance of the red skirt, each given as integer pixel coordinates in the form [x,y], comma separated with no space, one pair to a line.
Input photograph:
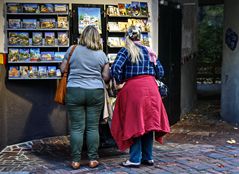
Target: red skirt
[138,110]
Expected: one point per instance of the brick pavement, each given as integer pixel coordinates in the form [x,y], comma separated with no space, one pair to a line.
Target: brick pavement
[197,144]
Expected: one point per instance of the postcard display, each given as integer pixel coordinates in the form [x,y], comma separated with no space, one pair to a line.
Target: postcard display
[119,18]
[38,37]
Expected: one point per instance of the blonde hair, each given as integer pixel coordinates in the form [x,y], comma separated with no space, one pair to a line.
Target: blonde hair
[90,38]
[133,50]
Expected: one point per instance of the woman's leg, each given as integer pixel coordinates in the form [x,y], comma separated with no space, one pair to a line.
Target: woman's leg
[135,151]
[147,146]
[76,110]
[95,102]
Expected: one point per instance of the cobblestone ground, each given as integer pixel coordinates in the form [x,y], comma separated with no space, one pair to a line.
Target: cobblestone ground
[199,143]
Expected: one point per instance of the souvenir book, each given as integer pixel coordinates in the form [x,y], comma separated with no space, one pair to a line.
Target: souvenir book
[35,54]
[46,8]
[29,23]
[14,23]
[62,22]
[13,54]
[49,38]
[122,41]
[23,71]
[51,71]
[122,9]
[63,39]
[113,41]
[135,7]
[47,56]
[13,71]
[48,23]
[30,8]
[18,38]
[145,39]
[60,8]
[33,72]
[36,38]
[14,8]
[144,8]
[58,73]
[123,26]
[59,56]
[128,9]
[42,71]
[24,54]
[112,57]
[113,26]
[112,10]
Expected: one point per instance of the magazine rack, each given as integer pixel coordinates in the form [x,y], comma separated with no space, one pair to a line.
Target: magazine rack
[37,38]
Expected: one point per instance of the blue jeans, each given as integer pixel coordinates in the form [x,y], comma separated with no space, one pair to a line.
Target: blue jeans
[142,148]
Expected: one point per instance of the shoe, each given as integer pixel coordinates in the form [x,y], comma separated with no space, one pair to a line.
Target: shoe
[130,164]
[148,162]
[75,165]
[93,163]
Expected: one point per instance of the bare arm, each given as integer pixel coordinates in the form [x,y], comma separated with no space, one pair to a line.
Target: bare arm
[106,73]
[63,65]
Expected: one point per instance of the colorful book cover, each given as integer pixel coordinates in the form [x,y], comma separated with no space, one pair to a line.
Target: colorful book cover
[33,72]
[59,56]
[13,71]
[51,71]
[13,54]
[144,8]
[49,38]
[36,38]
[128,9]
[29,23]
[14,23]
[42,71]
[24,54]
[18,38]
[47,56]
[48,23]
[112,11]
[60,8]
[46,8]
[62,22]
[23,71]
[14,8]
[35,54]
[63,38]
[123,26]
[145,39]
[58,73]
[30,8]
[135,7]
[113,41]
[113,26]
[122,9]
[112,57]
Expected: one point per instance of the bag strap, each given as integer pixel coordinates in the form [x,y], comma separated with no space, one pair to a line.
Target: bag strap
[68,60]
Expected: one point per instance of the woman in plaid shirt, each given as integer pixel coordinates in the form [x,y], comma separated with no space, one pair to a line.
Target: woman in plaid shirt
[139,110]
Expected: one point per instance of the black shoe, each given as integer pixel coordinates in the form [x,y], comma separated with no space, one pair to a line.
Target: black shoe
[130,164]
[148,162]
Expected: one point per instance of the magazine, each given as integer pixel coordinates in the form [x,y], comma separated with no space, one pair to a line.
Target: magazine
[58,73]
[29,23]
[144,8]
[135,8]
[36,38]
[18,38]
[23,71]
[62,22]
[23,54]
[48,23]
[63,38]
[47,56]
[49,38]
[123,26]
[46,8]
[145,39]
[113,26]
[30,8]
[33,72]
[128,9]
[14,8]
[13,71]
[35,54]
[42,71]
[51,71]
[113,41]
[112,11]
[122,9]
[13,54]
[60,8]
[14,23]
[59,56]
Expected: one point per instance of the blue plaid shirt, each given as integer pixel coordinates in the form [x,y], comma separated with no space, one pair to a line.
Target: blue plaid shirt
[123,69]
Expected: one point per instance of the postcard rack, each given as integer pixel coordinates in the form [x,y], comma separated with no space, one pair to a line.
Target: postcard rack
[37,38]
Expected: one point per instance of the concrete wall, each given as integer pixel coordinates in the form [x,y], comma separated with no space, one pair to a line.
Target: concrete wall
[189,48]
[230,70]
